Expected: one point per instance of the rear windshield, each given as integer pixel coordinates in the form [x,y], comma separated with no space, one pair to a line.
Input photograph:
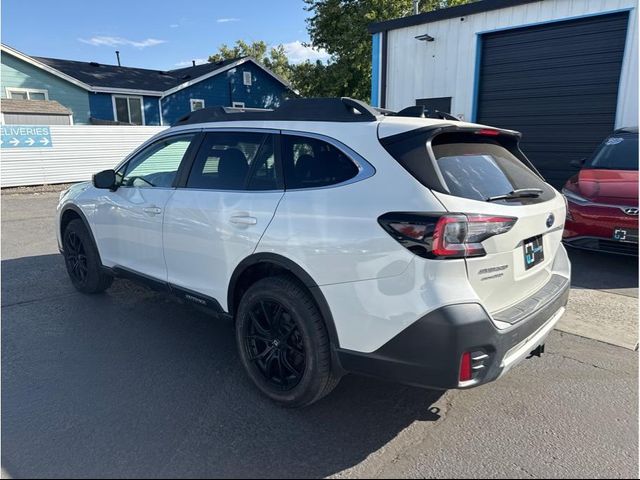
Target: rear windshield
[472,166]
[618,152]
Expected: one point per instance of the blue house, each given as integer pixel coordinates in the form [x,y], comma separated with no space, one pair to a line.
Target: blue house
[66,91]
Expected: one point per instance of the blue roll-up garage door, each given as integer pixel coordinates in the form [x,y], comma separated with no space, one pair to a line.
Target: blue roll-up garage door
[557,83]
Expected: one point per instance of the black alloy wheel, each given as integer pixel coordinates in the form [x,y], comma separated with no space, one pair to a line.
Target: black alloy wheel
[82,259]
[275,345]
[283,342]
[76,257]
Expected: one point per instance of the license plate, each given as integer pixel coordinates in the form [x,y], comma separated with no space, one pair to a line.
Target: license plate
[533,252]
[629,235]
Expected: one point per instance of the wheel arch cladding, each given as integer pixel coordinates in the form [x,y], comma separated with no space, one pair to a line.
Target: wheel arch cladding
[73,212]
[264,264]
[67,216]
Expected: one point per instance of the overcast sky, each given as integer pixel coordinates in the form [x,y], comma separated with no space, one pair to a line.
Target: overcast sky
[151,34]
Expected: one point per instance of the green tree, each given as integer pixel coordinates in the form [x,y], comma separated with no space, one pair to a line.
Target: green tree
[340,27]
[274,58]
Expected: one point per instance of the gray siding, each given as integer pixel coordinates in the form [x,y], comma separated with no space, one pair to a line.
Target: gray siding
[18,74]
[35,119]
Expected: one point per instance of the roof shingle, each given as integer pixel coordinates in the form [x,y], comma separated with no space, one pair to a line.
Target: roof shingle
[113,76]
[43,107]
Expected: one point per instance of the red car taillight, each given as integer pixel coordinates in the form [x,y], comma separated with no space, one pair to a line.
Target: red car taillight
[444,236]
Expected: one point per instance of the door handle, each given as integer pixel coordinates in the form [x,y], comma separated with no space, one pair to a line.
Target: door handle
[243,220]
[152,210]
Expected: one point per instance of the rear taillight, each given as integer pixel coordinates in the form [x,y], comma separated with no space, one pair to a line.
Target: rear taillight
[444,236]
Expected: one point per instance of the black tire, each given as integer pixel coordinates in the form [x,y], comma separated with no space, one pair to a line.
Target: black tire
[82,259]
[281,333]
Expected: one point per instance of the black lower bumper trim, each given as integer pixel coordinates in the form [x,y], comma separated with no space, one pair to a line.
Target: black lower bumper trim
[428,352]
[604,245]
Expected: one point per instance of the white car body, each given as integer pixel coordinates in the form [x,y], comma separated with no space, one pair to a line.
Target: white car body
[195,240]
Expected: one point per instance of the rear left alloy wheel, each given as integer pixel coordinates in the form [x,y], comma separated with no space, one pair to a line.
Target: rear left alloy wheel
[82,259]
[283,342]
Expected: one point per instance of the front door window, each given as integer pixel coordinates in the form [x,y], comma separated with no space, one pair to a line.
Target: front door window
[157,165]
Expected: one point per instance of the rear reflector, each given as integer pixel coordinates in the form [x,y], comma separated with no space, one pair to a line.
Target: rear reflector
[466,372]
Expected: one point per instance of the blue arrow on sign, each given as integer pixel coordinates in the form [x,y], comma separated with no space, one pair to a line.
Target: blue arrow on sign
[25,136]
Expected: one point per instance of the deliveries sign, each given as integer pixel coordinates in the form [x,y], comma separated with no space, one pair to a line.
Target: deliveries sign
[25,136]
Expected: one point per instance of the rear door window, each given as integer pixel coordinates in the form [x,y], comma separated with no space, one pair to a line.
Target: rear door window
[313,163]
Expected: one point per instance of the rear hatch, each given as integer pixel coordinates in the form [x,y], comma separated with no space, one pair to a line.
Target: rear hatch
[468,169]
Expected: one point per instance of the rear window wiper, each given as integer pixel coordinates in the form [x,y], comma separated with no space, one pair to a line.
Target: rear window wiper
[519,193]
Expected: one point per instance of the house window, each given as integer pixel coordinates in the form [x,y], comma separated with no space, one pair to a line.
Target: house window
[128,109]
[27,94]
[238,105]
[196,104]
[246,77]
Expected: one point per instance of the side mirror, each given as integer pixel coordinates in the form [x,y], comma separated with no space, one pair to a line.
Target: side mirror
[578,163]
[106,179]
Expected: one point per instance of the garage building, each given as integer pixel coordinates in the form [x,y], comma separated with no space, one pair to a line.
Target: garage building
[563,72]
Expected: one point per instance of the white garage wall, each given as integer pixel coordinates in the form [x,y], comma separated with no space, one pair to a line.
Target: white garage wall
[446,67]
[78,152]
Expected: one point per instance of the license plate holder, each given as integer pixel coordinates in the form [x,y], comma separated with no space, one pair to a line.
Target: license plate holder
[626,235]
[533,252]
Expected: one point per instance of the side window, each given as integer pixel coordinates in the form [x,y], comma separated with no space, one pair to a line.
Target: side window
[235,161]
[313,163]
[157,165]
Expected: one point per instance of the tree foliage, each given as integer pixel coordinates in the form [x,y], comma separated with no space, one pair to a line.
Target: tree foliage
[274,58]
[340,27]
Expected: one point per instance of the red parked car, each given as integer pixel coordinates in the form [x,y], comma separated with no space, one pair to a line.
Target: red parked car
[602,197]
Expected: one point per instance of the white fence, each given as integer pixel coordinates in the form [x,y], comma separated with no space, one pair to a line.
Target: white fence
[78,152]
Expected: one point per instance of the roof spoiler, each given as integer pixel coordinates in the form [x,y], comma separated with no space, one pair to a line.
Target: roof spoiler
[418,111]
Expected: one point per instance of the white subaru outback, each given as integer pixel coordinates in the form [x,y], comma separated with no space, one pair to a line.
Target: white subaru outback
[339,237]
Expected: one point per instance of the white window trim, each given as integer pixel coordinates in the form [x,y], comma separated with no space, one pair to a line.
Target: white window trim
[115,112]
[237,104]
[27,91]
[247,78]
[192,100]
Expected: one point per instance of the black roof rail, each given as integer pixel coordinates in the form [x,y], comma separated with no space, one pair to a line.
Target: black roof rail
[343,109]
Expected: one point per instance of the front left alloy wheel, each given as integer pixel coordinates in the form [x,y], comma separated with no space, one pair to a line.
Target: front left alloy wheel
[82,259]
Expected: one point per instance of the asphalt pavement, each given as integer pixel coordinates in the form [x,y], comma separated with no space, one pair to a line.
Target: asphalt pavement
[133,383]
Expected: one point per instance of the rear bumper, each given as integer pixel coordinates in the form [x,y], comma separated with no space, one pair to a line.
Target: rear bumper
[428,353]
[592,227]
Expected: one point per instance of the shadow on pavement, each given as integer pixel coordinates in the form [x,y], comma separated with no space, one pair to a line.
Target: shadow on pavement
[132,383]
[603,271]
